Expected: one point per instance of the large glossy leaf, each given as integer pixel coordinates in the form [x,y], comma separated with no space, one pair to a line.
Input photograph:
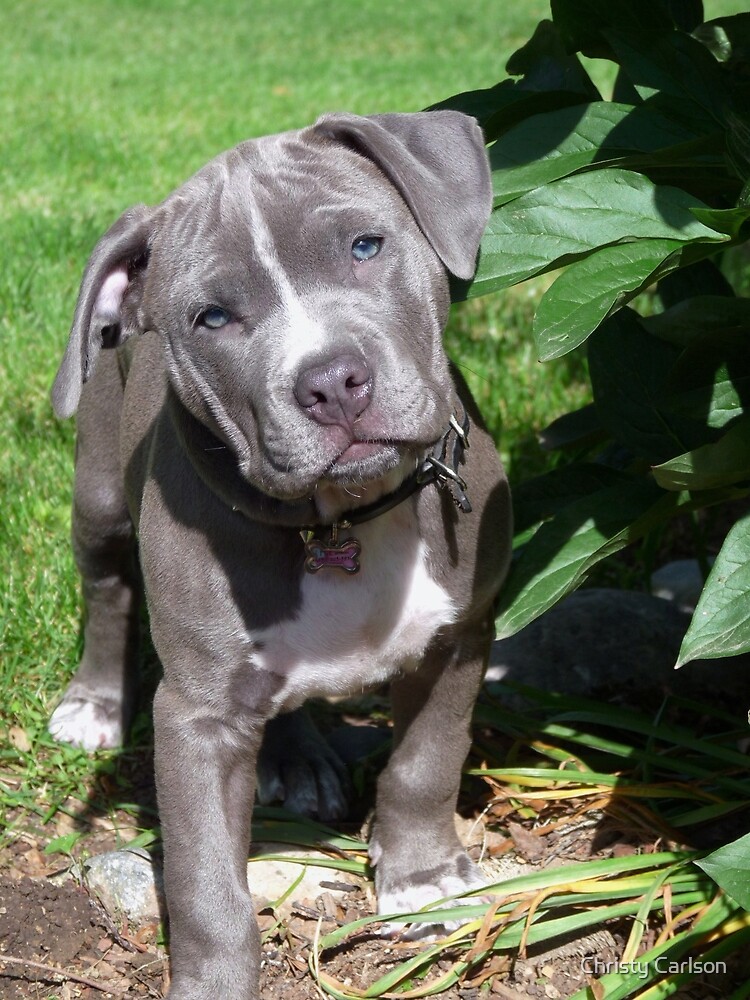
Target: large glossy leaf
[539,498]
[731,221]
[629,372]
[729,867]
[695,317]
[711,379]
[553,145]
[711,466]
[592,288]
[672,63]
[582,22]
[578,429]
[566,220]
[563,551]
[551,78]
[545,63]
[721,621]
[727,38]
[501,107]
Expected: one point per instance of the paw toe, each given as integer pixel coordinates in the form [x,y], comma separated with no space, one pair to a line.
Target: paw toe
[424,890]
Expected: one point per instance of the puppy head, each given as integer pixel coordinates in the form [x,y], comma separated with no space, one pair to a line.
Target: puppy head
[299,284]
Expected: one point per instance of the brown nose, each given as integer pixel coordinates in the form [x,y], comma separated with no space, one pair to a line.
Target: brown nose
[335,392]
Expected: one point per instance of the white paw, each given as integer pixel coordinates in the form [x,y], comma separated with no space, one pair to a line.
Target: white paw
[84,724]
[411,899]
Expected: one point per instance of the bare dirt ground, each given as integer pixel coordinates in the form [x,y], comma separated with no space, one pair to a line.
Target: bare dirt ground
[57,943]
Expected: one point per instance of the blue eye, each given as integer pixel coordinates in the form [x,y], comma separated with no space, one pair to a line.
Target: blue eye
[214,318]
[366,247]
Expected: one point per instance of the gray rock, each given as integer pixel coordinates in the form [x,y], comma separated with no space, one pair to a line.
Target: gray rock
[128,883]
[270,879]
[620,644]
[680,581]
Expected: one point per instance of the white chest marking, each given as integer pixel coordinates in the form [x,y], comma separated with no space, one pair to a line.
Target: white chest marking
[353,631]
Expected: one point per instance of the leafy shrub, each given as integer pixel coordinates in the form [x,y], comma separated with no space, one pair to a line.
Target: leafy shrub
[647,189]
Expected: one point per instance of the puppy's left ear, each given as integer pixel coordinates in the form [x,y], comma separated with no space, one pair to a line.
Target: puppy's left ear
[438,163]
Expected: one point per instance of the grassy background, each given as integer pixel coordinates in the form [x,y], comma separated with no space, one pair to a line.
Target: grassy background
[105,104]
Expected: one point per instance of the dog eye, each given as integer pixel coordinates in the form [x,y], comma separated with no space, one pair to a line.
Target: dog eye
[366,247]
[214,318]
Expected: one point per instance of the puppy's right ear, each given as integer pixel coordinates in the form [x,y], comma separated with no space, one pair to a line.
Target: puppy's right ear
[100,321]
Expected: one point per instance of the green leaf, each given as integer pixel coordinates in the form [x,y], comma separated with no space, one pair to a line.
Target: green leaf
[727,38]
[144,839]
[711,380]
[580,428]
[729,867]
[540,498]
[501,107]
[711,466]
[629,371]
[566,220]
[553,145]
[64,844]
[562,552]
[552,78]
[675,64]
[583,22]
[721,621]
[695,317]
[591,289]
[545,63]
[724,220]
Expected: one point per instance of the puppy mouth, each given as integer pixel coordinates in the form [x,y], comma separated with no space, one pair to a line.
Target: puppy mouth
[358,451]
[361,461]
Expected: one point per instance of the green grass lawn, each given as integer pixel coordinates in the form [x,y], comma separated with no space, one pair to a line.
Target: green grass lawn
[105,104]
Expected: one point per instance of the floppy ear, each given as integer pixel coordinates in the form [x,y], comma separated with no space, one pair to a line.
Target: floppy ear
[437,161]
[99,320]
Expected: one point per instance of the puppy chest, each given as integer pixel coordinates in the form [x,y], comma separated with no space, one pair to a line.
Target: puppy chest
[355,630]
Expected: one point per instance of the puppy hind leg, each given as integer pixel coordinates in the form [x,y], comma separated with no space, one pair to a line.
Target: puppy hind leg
[97,706]
[297,766]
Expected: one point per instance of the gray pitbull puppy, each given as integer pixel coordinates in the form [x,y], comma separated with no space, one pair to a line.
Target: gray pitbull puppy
[284,436]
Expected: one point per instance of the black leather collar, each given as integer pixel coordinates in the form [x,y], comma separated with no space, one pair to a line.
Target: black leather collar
[324,550]
[217,467]
[440,467]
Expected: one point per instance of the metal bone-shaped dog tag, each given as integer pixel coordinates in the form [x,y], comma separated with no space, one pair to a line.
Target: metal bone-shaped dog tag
[332,555]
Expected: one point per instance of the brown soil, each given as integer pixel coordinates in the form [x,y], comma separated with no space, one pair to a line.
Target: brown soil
[57,942]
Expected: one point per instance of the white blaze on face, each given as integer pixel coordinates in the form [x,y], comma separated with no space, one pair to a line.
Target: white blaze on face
[303,333]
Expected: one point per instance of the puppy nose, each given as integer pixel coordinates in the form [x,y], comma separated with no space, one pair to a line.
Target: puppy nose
[337,391]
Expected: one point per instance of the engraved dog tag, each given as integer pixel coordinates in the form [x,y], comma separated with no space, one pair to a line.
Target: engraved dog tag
[332,555]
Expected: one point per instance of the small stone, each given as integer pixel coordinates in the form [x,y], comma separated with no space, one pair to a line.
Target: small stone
[680,582]
[270,879]
[127,883]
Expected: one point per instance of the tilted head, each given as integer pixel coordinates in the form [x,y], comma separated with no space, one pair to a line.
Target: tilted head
[299,283]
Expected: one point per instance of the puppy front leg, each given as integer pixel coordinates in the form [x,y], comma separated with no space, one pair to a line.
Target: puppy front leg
[205,778]
[414,845]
